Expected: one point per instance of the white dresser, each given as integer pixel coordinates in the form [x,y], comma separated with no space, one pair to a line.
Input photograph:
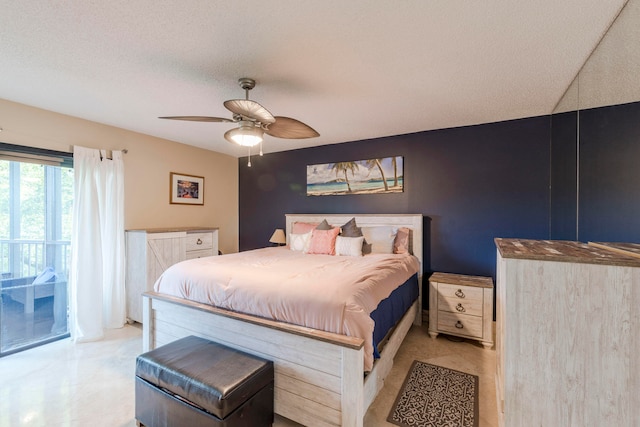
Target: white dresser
[567,334]
[461,305]
[151,251]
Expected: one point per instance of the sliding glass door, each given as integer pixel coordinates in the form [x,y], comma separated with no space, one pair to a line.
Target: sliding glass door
[35,231]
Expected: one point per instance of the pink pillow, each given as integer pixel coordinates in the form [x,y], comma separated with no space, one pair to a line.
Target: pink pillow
[303,227]
[323,241]
[401,242]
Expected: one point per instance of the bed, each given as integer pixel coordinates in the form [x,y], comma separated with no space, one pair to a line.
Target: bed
[319,375]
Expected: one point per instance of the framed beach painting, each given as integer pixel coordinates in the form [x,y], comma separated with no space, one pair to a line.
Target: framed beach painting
[186,189]
[373,176]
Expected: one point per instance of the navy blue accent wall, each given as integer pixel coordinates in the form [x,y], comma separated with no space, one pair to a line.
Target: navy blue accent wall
[610,174]
[472,184]
[603,204]
[563,216]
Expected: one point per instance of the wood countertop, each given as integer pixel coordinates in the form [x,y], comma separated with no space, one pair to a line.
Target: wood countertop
[462,279]
[623,254]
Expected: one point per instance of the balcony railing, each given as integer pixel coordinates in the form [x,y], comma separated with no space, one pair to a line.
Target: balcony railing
[33,310]
[24,258]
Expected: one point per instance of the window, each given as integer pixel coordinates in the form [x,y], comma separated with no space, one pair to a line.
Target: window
[36,201]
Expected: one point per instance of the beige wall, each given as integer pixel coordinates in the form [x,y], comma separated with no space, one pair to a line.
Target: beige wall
[147,166]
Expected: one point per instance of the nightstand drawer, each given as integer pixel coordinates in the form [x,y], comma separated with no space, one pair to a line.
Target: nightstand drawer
[471,307]
[460,292]
[199,241]
[460,324]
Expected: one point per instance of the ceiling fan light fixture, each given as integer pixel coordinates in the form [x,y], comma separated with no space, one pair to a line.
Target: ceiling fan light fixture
[247,135]
[253,122]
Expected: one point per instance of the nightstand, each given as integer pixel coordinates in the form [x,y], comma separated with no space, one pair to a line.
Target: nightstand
[462,306]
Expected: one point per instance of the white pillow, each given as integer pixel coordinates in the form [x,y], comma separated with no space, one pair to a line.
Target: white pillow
[349,246]
[380,238]
[300,242]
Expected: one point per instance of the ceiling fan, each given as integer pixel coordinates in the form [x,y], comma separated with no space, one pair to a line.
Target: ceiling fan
[253,121]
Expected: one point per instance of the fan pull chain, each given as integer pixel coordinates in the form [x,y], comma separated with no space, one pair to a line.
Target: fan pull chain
[249,162]
[261,148]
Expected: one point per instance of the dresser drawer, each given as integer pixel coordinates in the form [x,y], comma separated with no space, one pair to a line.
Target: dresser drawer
[460,324]
[471,307]
[199,241]
[199,254]
[467,293]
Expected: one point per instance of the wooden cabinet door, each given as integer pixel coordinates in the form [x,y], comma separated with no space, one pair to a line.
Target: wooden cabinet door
[163,250]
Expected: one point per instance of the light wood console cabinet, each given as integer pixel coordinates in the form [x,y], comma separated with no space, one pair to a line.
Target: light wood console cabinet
[567,334]
[151,251]
[462,306]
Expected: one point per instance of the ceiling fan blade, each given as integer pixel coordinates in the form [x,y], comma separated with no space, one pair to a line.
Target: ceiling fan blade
[198,119]
[250,109]
[286,127]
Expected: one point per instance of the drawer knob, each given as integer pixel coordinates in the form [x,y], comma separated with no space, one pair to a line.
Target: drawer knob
[199,242]
[459,325]
[460,294]
[460,308]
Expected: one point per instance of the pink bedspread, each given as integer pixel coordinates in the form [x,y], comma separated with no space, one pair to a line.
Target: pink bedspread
[331,293]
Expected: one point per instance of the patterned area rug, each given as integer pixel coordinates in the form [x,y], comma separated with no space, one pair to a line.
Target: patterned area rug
[433,396]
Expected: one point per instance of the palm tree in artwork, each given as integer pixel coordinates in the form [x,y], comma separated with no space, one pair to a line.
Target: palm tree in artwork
[344,167]
[394,163]
[372,163]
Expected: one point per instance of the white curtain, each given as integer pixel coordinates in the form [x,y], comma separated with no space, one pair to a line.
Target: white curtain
[97,243]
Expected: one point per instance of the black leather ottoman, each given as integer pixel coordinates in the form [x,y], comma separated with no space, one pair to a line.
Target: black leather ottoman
[196,382]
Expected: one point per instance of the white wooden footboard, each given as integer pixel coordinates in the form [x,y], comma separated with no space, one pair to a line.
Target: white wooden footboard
[318,375]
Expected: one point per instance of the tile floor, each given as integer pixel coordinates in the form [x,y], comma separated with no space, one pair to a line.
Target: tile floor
[91,384]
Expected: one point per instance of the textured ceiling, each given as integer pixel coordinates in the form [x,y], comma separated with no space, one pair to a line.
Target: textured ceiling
[352,70]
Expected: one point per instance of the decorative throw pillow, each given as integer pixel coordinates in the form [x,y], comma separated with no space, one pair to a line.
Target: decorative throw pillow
[349,246]
[303,227]
[300,242]
[401,242]
[366,247]
[350,229]
[380,238]
[323,241]
[324,225]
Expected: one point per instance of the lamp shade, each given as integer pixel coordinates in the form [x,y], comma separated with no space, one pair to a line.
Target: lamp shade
[247,135]
[278,237]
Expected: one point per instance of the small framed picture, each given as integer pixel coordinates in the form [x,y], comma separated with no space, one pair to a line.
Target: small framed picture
[186,189]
